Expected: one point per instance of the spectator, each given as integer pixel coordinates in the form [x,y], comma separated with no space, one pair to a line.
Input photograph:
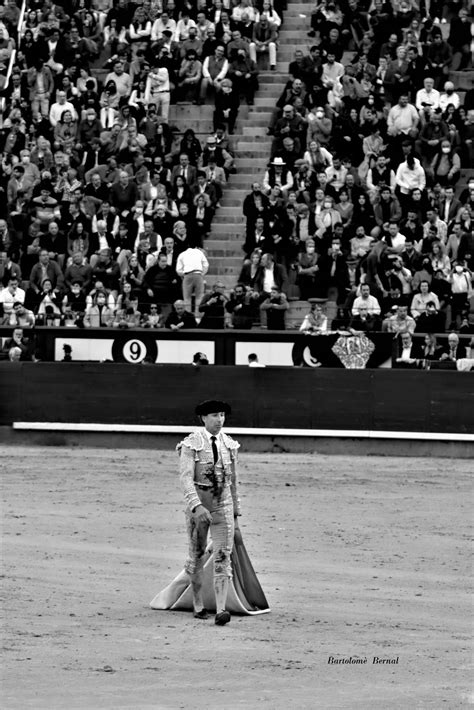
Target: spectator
[271,275]
[407,352]
[403,118]
[314,322]
[99,315]
[213,307]
[366,300]
[243,307]
[189,77]
[159,281]
[264,41]
[180,318]
[48,309]
[157,89]
[461,282]
[199,359]
[227,105]
[21,317]
[446,164]
[421,300]
[107,271]
[8,269]
[275,306]
[307,270]
[253,360]
[46,269]
[244,75]
[18,347]
[214,70]
[453,350]
[409,176]
[430,349]
[431,320]
[191,266]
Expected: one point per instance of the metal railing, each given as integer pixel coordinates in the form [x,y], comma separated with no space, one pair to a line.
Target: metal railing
[13,54]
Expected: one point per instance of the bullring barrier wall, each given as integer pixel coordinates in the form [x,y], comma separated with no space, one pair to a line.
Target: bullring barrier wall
[272,398]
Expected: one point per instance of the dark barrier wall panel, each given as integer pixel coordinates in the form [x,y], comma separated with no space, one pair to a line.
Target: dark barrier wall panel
[276,397]
[401,394]
[341,402]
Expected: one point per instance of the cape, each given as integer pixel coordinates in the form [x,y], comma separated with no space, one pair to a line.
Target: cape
[245,594]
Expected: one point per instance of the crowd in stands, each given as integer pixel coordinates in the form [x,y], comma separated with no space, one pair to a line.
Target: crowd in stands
[361,201]
[105,214]
[104,208]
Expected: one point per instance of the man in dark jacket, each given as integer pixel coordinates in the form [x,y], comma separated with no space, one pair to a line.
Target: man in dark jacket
[180,318]
[227,105]
[243,73]
[160,281]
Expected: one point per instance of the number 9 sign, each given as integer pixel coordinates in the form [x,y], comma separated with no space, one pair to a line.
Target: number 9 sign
[134,349]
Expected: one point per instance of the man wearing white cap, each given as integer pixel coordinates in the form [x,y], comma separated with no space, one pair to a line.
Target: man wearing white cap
[449,96]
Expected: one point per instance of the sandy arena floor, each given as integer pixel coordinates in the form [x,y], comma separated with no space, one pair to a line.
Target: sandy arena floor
[357,556]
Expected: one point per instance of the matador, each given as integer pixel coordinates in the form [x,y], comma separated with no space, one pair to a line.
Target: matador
[208,476]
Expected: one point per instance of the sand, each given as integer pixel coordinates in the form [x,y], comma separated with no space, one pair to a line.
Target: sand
[358,557]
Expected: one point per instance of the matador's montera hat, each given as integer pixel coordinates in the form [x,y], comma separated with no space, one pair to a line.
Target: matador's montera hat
[210,406]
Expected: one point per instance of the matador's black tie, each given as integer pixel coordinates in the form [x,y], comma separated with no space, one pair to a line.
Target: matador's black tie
[214,448]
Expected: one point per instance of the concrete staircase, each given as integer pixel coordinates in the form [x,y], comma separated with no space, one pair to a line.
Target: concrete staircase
[251,145]
[252,148]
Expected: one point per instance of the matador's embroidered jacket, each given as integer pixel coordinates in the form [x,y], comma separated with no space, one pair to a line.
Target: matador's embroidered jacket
[204,482]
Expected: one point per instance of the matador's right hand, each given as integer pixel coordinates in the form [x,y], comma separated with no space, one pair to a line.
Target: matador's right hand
[202,515]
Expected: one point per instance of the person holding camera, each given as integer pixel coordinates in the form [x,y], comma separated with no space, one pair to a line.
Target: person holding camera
[243,307]
[213,307]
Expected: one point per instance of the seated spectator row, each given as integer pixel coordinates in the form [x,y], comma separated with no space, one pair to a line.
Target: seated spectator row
[365,187]
[368,198]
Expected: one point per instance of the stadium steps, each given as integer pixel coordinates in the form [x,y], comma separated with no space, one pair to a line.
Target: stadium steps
[462,80]
[252,151]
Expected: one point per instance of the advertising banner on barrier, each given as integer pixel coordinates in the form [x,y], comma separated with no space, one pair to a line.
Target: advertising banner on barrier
[224,347]
[134,347]
[351,351]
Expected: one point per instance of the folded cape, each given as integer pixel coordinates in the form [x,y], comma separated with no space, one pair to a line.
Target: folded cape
[245,594]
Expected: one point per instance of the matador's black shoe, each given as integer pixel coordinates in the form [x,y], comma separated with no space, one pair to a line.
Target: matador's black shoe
[222,618]
[203,614]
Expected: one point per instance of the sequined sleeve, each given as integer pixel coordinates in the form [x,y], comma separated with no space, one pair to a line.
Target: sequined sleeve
[187,462]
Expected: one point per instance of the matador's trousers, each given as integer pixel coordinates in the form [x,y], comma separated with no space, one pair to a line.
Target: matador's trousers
[222,535]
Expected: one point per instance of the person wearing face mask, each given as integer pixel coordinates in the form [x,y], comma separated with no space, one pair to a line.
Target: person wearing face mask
[461,282]
[327,218]
[307,268]
[31,175]
[446,165]
[319,127]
